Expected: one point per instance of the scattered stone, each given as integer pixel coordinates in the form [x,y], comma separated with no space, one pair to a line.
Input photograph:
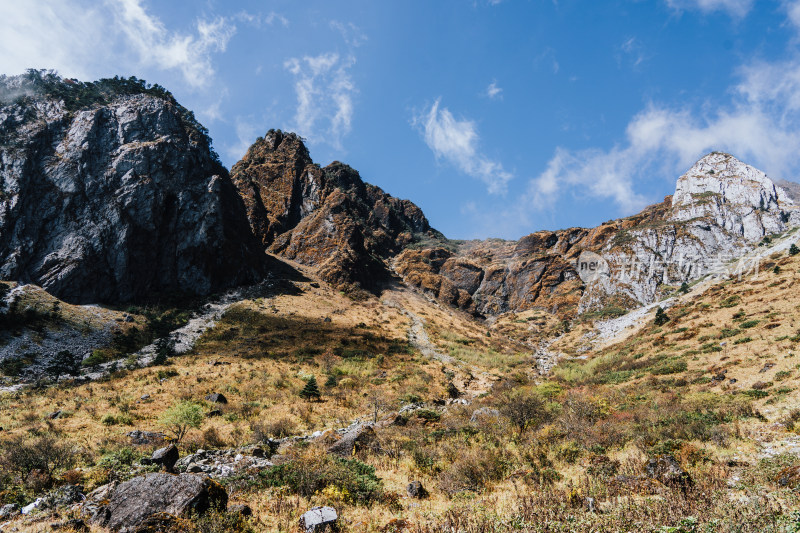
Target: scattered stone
[590,506]
[319,519]
[217,397]
[144,397]
[166,457]
[668,471]
[416,490]
[314,285]
[142,438]
[766,367]
[127,506]
[221,464]
[55,414]
[128,318]
[327,319]
[9,510]
[353,441]
[241,509]
[213,413]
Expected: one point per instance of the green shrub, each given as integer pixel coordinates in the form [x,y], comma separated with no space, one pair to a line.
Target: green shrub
[182,417]
[669,367]
[429,415]
[749,324]
[354,480]
[730,301]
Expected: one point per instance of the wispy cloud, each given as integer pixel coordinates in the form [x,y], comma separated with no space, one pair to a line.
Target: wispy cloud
[352,34]
[457,141]
[494,92]
[325,92]
[631,51]
[735,8]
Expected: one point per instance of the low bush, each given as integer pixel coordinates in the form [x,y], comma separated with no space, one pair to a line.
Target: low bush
[353,480]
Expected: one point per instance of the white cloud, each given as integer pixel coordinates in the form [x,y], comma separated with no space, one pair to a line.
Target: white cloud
[88,40]
[761,126]
[793,12]
[735,8]
[457,142]
[325,93]
[494,92]
[156,46]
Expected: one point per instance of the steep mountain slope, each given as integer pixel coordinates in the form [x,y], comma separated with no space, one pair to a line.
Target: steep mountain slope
[324,217]
[109,191]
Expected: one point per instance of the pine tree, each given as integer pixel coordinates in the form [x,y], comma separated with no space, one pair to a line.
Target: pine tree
[794,250]
[684,288]
[661,317]
[311,390]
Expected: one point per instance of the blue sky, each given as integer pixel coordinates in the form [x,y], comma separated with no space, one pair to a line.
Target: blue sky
[497,117]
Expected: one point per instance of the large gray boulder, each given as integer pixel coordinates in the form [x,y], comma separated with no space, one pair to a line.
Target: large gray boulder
[126,506]
[319,519]
[115,197]
[356,439]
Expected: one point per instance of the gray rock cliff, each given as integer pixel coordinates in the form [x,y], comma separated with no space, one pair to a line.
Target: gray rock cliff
[110,192]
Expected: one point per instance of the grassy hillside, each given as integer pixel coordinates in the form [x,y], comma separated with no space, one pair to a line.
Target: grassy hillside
[715,386]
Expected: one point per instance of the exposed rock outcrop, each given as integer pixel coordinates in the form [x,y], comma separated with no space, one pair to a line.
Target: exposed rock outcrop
[324,217]
[721,209]
[110,192]
[126,506]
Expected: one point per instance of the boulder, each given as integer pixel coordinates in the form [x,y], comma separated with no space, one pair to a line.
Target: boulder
[9,510]
[356,439]
[667,470]
[166,457]
[319,519]
[216,397]
[416,490]
[143,438]
[126,507]
[242,509]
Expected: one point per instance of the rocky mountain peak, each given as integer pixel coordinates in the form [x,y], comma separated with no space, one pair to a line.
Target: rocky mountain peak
[328,217]
[110,192]
[737,182]
[736,196]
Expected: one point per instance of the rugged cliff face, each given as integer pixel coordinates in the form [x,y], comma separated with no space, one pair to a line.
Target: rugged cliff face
[324,217]
[110,192]
[721,209]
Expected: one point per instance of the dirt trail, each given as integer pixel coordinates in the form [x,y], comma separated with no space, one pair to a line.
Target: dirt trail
[470,380]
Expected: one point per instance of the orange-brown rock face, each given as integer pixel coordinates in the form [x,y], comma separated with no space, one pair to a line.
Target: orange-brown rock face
[493,276]
[324,217]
